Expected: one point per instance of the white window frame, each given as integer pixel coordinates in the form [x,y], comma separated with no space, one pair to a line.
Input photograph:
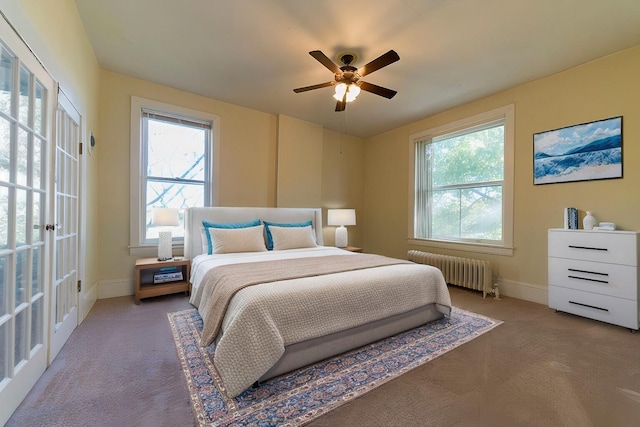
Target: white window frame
[138,245]
[506,113]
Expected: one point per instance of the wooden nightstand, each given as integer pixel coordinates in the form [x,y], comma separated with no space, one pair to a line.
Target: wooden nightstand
[352,249]
[146,268]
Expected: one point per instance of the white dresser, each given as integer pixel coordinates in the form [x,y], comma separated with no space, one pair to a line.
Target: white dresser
[594,273]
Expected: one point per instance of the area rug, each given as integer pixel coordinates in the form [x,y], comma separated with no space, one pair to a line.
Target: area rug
[299,397]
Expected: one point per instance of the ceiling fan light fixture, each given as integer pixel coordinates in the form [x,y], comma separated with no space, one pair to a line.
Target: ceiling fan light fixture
[352,91]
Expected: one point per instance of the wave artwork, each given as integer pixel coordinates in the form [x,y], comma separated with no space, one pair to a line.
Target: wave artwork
[578,153]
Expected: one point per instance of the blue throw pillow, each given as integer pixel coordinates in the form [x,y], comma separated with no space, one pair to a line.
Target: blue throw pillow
[207,225]
[292,224]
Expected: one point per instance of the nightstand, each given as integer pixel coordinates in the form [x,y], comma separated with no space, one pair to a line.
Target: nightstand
[352,249]
[146,270]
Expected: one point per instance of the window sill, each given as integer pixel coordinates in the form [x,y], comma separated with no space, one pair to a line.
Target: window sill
[150,251]
[459,246]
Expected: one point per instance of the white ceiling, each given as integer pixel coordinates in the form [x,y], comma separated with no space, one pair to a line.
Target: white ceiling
[253,53]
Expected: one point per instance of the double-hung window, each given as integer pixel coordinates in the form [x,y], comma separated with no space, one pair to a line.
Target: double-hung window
[463,184]
[172,151]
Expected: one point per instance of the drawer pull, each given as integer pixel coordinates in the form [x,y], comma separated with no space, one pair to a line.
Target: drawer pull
[588,248]
[587,279]
[587,272]
[588,306]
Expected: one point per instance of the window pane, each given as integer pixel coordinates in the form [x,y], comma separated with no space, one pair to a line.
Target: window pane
[37,313]
[4,284]
[6,81]
[5,150]
[21,337]
[21,217]
[4,350]
[4,217]
[38,182]
[23,157]
[171,195]
[175,151]
[38,122]
[467,213]
[22,275]
[25,85]
[469,158]
[36,271]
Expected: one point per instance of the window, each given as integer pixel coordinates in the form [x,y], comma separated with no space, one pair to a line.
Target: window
[173,152]
[463,184]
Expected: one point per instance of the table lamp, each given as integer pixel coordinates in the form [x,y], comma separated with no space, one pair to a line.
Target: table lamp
[341,217]
[165,217]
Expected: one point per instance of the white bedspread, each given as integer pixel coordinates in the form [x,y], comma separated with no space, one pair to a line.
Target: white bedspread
[261,320]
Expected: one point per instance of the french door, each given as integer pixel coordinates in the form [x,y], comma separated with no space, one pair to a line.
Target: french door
[65,197]
[26,99]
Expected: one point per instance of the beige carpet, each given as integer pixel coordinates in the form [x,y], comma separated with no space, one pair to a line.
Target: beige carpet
[539,368]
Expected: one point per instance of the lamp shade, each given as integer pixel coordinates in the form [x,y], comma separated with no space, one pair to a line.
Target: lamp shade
[165,217]
[341,217]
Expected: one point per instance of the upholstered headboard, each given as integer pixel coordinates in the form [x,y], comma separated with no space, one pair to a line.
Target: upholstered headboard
[193,218]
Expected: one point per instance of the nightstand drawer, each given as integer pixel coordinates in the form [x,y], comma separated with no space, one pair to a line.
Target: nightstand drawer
[609,279]
[618,311]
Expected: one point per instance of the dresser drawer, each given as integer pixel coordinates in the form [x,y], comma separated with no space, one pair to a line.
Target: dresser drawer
[609,279]
[617,311]
[600,246]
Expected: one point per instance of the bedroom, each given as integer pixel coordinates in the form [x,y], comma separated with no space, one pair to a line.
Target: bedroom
[371,173]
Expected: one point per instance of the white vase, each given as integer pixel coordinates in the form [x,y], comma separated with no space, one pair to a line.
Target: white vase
[589,221]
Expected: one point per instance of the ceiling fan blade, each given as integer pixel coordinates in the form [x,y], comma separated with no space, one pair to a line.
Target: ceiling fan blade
[318,86]
[324,60]
[381,61]
[378,90]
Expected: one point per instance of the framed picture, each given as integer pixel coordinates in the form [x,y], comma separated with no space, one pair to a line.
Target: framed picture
[578,153]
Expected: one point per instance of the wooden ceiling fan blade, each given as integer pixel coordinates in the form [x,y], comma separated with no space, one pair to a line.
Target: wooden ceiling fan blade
[324,60]
[381,61]
[318,86]
[378,90]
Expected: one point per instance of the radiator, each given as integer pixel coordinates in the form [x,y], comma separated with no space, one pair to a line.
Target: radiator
[466,272]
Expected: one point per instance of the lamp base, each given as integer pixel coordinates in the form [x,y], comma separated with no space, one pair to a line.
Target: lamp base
[165,247]
[342,238]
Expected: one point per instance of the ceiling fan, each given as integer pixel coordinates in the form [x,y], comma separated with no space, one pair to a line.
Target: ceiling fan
[347,77]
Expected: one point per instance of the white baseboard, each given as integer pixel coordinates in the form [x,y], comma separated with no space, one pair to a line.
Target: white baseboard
[115,288]
[89,298]
[522,290]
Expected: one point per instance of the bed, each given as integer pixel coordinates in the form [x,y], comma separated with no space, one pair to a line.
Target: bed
[283,300]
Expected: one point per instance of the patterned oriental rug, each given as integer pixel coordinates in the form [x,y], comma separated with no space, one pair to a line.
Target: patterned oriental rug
[299,397]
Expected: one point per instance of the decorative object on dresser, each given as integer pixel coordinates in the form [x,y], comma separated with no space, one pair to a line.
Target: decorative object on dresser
[154,278]
[589,221]
[341,217]
[594,273]
[165,218]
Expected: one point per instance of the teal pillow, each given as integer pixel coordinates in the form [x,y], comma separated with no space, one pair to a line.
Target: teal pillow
[292,224]
[207,225]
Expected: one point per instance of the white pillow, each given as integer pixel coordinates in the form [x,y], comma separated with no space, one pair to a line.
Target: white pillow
[230,240]
[292,237]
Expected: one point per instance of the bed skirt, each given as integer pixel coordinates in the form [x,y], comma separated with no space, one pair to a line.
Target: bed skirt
[314,350]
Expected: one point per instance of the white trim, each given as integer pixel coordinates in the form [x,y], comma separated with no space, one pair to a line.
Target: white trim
[507,113]
[524,291]
[464,247]
[136,163]
[115,288]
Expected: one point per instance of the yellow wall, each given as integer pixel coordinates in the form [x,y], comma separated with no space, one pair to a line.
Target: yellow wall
[250,161]
[597,90]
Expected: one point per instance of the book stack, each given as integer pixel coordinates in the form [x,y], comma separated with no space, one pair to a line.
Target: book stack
[570,218]
[167,274]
